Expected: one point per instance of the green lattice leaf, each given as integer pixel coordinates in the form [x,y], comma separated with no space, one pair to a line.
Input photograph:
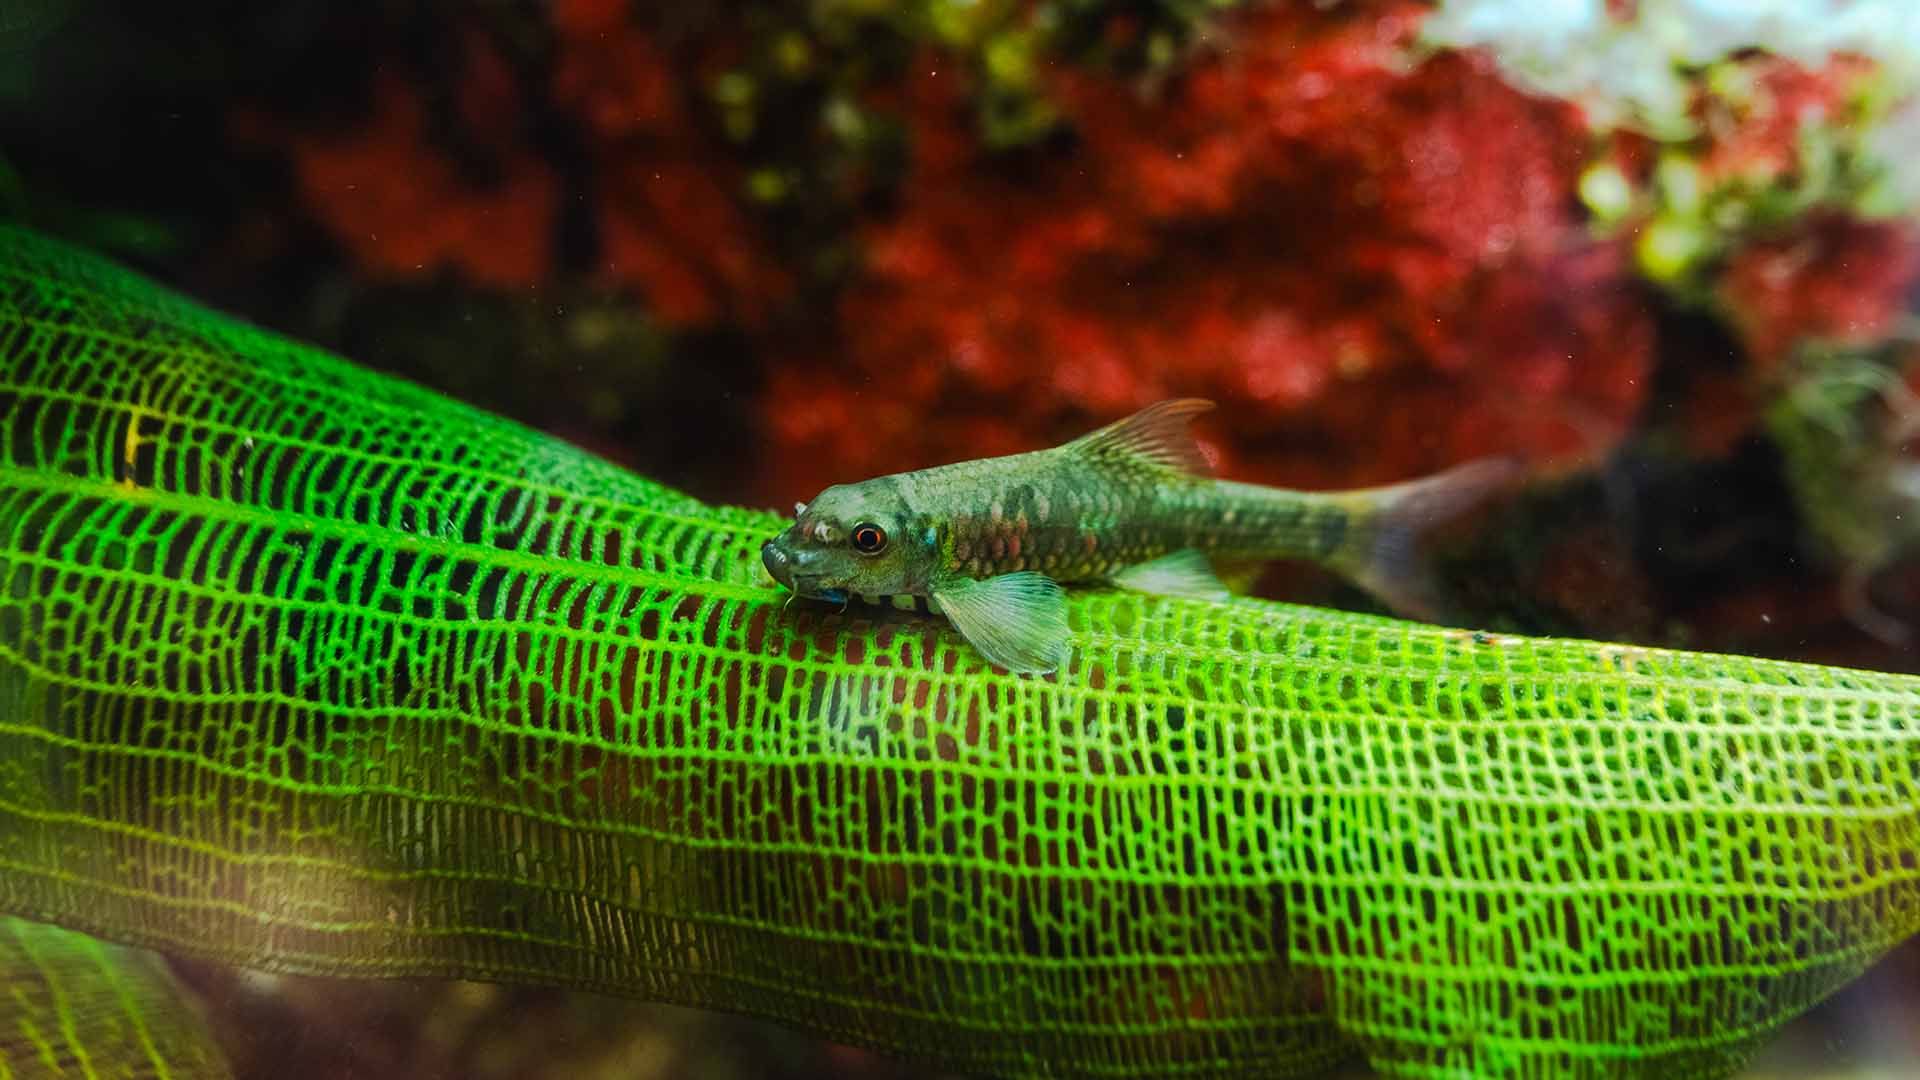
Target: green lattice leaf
[74,1006]
[308,669]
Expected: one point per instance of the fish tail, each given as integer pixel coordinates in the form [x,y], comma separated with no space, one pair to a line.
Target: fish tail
[1383,550]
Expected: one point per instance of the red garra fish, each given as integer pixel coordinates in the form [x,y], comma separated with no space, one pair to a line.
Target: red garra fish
[988,543]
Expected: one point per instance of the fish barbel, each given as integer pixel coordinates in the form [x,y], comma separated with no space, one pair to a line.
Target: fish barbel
[988,543]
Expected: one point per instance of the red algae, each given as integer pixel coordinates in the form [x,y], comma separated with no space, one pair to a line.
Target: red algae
[496,233]
[669,220]
[1326,265]
[1829,276]
[1373,254]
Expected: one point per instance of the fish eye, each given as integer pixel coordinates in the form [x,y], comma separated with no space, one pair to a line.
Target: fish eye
[868,538]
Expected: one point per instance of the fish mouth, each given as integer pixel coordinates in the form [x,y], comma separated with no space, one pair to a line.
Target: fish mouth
[780,566]
[778,562]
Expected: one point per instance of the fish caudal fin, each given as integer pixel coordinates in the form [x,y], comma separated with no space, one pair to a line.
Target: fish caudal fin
[1384,555]
[1156,437]
[1018,621]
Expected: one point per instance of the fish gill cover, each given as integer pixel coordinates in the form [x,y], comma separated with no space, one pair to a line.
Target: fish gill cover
[308,669]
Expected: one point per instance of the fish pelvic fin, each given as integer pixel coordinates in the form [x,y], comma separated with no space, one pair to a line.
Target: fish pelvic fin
[1018,621]
[1385,555]
[1156,437]
[1178,573]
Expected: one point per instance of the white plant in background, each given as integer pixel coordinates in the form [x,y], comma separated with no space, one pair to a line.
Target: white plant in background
[1895,143]
[1634,72]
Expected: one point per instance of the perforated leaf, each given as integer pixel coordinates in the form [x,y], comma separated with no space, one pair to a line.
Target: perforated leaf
[305,668]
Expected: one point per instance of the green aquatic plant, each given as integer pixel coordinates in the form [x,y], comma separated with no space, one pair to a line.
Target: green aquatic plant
[77,1006]
[304,668]
[1841,420]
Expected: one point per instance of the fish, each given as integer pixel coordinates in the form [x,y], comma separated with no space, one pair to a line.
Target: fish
[989,543]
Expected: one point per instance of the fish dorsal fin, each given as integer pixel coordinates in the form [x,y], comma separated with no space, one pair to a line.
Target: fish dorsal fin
[1017,620]
[1156,436]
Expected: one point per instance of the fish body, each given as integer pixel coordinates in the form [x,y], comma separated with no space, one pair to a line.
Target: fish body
[989,542]
[1077,523]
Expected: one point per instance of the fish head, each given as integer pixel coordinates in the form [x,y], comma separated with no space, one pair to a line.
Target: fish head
[852,539]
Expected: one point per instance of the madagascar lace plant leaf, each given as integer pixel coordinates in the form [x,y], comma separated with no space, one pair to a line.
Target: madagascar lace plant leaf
[308,669]
[71,1005]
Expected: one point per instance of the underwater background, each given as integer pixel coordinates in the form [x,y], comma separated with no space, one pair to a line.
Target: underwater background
[1664,250]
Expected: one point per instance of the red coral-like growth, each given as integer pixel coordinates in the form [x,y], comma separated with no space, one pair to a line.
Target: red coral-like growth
[669,221]
[1375,269]
[496,230]
[1757,140]
[1829,275]
[1832,277]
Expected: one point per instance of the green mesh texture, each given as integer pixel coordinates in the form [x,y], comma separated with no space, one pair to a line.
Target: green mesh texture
[308,669]
[71,1005]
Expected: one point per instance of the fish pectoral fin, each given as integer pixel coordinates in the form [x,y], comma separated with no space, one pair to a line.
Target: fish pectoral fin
[1156,436]
[1178,573]
[1018,621]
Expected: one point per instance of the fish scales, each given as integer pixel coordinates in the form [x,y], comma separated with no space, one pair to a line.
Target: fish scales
[1080,520]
